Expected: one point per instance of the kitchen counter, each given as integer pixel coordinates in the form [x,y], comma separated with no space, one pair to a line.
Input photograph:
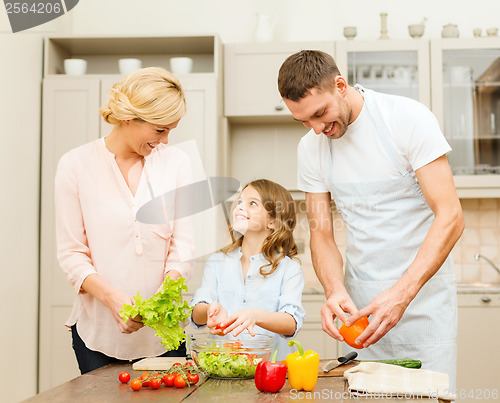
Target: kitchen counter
[462,288]
[102,385]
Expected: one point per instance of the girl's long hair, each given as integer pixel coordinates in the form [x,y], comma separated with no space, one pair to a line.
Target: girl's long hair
[281,208]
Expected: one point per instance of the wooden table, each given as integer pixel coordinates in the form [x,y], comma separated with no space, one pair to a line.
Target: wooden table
[102,385]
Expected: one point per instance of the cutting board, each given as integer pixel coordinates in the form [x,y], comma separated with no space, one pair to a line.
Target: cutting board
[339,371]
[164,363]
[157,363]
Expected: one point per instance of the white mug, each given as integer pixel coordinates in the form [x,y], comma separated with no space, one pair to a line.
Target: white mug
[75,67]
[181,65]
[128,66]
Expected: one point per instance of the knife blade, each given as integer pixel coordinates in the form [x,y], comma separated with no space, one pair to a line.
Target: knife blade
[339,361]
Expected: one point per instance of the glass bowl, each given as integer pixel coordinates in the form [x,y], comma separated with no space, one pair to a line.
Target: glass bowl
[227,357]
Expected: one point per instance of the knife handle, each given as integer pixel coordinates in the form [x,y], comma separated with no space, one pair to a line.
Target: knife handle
[350,356]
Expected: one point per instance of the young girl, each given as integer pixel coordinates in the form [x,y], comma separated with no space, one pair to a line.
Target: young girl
[254,283]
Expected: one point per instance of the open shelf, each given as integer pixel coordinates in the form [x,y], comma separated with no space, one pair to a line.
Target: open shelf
[102,53]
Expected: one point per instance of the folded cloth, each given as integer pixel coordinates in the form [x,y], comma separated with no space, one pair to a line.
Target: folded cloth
[377,379]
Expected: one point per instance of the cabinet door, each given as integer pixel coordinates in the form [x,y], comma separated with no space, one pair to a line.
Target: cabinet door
[200,122]
[392,67]
[251,76]
[70,118]
[106,84]
[478,365]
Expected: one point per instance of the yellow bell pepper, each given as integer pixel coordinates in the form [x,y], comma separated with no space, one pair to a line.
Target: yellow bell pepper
[303,368]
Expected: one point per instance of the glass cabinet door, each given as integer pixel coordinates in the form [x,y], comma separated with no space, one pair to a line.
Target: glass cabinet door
[466,100]
[391,67]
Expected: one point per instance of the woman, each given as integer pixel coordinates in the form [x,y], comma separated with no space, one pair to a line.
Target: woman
[105,253]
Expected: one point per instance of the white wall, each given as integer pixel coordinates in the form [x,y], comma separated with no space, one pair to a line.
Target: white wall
[296,20]
[20,83]
[19,162]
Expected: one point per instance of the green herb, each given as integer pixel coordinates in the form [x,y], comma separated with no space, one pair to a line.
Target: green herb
[163,312]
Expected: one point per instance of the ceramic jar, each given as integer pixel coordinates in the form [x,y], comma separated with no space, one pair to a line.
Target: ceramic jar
[450,31]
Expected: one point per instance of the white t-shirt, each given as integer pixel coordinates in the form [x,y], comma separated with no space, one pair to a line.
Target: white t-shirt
[359,155]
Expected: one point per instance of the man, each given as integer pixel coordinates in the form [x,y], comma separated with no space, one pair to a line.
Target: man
[382,158]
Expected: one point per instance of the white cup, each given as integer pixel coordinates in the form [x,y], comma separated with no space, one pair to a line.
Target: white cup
[181,65]
[75,67]
[128,66]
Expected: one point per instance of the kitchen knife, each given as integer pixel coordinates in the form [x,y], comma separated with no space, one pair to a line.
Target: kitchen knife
[339,361]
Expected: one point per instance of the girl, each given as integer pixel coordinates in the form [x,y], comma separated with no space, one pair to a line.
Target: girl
[253,283]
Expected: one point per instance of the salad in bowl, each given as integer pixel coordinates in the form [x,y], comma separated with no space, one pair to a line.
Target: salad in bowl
[229,357]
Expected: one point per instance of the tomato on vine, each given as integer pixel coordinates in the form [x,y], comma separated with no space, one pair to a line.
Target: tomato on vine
[179,382]
[136,384]
[168,379]
[155,383]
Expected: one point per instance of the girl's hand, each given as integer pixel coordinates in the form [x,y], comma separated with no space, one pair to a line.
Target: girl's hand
[114,302]
[216,315]
[241,320]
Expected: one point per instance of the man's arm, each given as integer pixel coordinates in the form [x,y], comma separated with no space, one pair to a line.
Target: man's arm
[327,263]
[436,182]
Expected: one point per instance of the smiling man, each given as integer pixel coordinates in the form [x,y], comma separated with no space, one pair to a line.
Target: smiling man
[382,158]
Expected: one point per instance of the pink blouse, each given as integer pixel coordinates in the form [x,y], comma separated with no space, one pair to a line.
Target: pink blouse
[97,232]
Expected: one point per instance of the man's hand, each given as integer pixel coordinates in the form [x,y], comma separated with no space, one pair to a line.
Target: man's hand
[336,306]
[386,310]
[216,314]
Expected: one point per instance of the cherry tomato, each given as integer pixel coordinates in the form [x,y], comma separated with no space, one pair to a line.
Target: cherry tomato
[188,364]
[193,378]
[145,379]
[124,377]
[179,382]
[177,364]
[155,383]
[351,333]
[136,384]
[218,326]
[168,379]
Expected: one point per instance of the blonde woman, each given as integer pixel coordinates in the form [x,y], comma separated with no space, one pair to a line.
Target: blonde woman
[255,283]
[105,253]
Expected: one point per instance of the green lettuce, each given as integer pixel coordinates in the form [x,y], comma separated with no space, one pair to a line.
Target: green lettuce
[228,365]
[163,311]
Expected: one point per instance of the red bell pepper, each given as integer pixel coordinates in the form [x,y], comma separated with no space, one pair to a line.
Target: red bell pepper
[270,376]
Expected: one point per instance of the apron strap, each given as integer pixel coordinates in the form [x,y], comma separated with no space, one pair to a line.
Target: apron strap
[377,121]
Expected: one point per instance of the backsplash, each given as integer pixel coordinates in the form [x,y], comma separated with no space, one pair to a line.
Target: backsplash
[481,235]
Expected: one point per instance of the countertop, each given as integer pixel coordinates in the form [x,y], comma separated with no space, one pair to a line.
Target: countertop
[462,288]
[102,385]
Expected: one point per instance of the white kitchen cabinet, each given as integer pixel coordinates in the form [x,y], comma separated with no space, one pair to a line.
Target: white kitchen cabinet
[71,118]
[262,137]
[251,77]
[478,366]
[465,78]
[312,335]
[399,67]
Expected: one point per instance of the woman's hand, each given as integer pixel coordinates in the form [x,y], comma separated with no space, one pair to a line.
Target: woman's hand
[114,302]
[241,320]
[113,299]
[216,315]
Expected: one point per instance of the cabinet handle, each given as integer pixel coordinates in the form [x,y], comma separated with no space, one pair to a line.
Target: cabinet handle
[279,107]
[486,299]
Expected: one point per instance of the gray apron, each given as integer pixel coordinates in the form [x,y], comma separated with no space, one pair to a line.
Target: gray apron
[386,223]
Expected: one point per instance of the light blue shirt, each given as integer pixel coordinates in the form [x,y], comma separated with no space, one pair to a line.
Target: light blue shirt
[280,291]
